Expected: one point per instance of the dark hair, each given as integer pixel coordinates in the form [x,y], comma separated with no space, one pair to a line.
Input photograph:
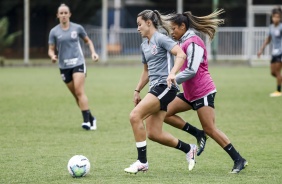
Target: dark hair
[276,10]
[157,19]
[206,24]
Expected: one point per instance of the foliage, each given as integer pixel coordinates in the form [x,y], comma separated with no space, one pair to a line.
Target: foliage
[5,38]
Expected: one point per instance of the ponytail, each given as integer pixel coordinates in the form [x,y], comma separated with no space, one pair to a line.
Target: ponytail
[162,22]
[206,24]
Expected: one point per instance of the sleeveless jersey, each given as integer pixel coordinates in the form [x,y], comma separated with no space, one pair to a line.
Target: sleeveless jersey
[201,84]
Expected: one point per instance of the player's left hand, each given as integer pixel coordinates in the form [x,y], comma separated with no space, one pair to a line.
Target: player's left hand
[170,79]
[95,57]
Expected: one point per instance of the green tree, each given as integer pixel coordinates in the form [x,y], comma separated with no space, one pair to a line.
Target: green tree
[6,39]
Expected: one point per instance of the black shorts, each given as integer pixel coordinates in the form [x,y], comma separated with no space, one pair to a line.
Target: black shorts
[66,74]
[197,104]
[276,59]
[164,94]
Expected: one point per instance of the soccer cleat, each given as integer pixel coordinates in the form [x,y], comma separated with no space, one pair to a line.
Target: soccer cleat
[90,126]
[239,165]
[275,94]
[136,167]
[93,124]
[191,156]
[201,142]
[86,125]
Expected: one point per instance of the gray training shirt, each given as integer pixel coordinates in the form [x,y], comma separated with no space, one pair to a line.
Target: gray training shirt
[276,37]
[68,45]
[157,56]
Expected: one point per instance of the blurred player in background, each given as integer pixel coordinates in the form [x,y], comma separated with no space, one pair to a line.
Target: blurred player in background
[198,87]
[159,70]
[64,38]
[275,35]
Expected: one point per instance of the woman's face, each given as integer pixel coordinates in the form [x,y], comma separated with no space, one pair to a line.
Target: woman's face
[276,18]
[63,14]
[177,31]
[143,26]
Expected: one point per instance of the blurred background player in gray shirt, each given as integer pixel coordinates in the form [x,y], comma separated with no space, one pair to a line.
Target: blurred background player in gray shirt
[64,38]
[275,35]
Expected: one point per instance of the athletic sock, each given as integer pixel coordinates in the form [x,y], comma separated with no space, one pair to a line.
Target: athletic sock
[85,115]
[183,146]
[91,117]
[191,129]
[232,152]
[142,151]
[279,88]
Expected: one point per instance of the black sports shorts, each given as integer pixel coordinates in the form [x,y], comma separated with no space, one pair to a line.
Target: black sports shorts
[66,74]
[276,59]
[197,104]
[164,94]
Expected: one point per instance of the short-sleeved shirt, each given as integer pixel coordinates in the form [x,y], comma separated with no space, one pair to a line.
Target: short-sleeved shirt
[156,54]
[67,44]
[275,32]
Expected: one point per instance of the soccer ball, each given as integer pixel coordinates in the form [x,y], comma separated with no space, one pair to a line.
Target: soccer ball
[78,166]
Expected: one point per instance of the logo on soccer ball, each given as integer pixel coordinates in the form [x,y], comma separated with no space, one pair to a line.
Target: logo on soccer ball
[74,34]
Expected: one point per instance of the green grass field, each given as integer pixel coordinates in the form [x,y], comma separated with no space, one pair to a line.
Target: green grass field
[40,129]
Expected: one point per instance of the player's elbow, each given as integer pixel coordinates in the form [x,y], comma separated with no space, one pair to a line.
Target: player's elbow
[189,73]
[87,41]
[193,73]
[181,55]
[186,75]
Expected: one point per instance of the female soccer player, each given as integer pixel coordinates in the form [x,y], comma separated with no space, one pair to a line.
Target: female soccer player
[275,35]
[65,38]
[198,86]
[159,71]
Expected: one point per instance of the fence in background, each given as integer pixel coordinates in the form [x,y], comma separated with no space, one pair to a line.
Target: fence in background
[232,44]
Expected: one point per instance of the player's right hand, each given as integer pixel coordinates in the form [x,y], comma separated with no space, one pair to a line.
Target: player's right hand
[54,59]
[259,54]
[95,57]
[136,98]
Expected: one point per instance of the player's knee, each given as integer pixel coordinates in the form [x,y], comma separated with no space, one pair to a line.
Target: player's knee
[134,117]
[78,93]
[152,136]
[168,114]
[209,130]
[273,74]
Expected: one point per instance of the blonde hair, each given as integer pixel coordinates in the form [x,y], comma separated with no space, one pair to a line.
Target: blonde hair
[157,19]
[206,24]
